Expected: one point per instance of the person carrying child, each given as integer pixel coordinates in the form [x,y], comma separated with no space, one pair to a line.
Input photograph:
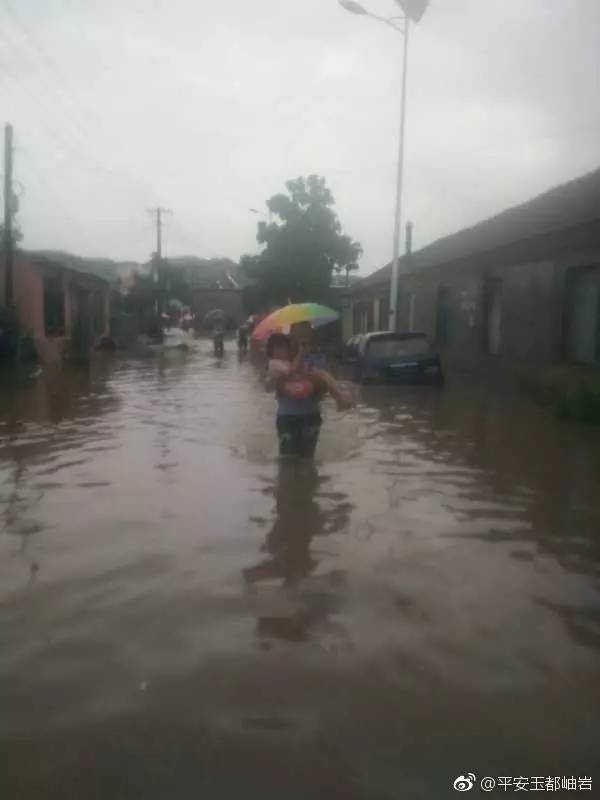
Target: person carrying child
[300,391]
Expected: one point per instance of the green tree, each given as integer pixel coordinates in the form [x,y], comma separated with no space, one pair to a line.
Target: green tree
[303,247]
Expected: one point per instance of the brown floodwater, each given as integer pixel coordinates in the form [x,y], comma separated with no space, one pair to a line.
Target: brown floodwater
[181,615]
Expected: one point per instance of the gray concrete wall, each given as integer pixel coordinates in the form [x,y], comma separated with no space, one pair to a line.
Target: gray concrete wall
[533,277]
[531,309]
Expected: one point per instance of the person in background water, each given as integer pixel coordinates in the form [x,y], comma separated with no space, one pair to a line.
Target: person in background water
[219,341]
[299,394]
[243,338]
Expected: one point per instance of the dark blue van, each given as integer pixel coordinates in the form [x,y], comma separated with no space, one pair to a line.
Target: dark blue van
[387,357]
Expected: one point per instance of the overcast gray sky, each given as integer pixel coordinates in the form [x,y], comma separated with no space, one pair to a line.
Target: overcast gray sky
[209,107]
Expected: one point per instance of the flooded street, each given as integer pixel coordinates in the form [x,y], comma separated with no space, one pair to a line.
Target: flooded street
[183,616]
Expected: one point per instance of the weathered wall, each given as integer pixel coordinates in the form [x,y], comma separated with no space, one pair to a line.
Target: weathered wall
[347,320]
[530,303]
[29,298]
[531,278]
[29,304]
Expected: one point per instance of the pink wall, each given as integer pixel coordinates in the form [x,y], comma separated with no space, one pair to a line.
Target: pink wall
[29,298]
[29,304]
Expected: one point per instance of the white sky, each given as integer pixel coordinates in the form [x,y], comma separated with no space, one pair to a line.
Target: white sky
[209,107]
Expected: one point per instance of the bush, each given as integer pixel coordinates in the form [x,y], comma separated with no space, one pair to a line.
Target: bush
[572,391]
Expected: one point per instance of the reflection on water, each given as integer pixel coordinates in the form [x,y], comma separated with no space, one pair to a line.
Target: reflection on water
[182,613]
[301,514]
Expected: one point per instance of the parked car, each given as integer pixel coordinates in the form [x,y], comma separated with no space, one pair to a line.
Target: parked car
[387,357]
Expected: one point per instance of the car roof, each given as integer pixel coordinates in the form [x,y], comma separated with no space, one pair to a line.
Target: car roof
[396,334]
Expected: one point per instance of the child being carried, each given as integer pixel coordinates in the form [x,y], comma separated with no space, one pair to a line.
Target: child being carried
[288,372]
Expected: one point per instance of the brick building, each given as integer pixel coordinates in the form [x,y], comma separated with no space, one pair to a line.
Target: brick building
[58,308]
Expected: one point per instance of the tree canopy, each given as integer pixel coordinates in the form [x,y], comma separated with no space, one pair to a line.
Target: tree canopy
[302,247]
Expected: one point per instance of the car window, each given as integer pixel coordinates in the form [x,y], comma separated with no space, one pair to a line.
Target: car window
[391,347]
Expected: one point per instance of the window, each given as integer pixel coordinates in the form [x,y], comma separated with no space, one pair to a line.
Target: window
[363,316]
[492,327]
[384,312]
[583,315]
[99,309]
[443,315]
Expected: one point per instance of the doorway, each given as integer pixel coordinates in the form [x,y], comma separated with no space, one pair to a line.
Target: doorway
[583,308]
[442,315]
[492,318]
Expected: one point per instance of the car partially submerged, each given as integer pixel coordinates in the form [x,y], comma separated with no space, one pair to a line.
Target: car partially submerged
[388,357]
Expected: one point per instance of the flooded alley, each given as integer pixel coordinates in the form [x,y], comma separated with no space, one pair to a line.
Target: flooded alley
[182,615]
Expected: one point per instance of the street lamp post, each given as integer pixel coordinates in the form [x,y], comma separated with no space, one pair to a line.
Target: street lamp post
[412,10]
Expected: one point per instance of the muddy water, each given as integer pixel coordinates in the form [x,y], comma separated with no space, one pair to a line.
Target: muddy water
[182,616]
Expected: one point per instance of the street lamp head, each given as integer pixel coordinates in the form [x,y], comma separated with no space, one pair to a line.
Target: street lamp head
[354,8]
[414,9]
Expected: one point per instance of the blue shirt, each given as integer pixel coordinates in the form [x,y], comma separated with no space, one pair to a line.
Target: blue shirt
[291,406]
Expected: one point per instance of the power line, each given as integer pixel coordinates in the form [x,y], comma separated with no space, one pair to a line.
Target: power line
[193,239]
[69,146]
[70,143]
[52,65]
[28,44]
[66,147]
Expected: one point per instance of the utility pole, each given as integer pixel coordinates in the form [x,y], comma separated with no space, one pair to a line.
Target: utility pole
[399,182]
[159,213]
[409,237]
[8,244]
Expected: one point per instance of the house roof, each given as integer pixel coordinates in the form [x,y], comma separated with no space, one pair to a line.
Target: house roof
[56,261]
[564,206]
[212,289]
[210,273]
[206,273]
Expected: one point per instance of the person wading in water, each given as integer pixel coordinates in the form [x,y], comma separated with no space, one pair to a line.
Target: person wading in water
[299,393]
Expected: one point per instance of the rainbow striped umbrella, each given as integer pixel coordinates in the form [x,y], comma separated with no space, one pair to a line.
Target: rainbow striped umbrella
[289,315]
